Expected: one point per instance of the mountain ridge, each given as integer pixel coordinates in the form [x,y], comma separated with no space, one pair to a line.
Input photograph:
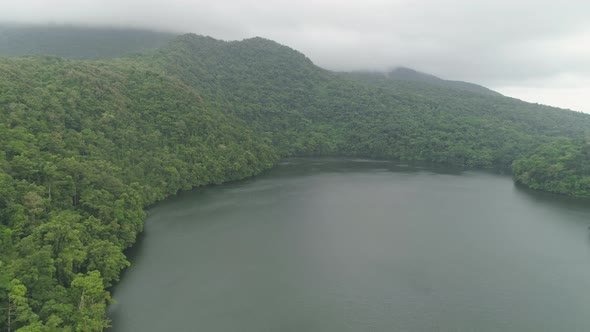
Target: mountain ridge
[79,42]
[405,74]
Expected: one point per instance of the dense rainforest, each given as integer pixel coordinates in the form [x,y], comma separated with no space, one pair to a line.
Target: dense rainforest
[87,145]
[562,166]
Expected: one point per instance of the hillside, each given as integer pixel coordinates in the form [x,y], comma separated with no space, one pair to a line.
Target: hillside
[77,42]
[323,113]
[87,145]
[403,75]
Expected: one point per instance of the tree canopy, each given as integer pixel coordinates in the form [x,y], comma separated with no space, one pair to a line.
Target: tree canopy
[562,166]
[88,145]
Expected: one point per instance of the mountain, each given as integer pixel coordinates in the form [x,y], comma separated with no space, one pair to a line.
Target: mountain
[87,145]
[320,112]
[77,42]
[407,74]
[414,78]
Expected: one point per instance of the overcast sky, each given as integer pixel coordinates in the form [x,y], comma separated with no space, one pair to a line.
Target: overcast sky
[536,50]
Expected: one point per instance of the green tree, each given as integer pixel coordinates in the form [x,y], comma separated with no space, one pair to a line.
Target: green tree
[92,300]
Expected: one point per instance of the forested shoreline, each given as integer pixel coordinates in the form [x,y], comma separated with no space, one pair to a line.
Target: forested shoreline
[88,145]
[561,167]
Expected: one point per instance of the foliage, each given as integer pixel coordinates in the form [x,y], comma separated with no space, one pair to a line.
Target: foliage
[307,110]
[562,166]
[87,145]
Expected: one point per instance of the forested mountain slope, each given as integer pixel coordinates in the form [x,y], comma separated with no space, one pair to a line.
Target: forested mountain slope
[87,145]
[320,112]
[77,42]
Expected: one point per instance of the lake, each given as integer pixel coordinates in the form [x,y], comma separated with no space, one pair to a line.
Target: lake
[355,245]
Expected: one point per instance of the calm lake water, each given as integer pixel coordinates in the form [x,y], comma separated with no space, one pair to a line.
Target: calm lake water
[335,245]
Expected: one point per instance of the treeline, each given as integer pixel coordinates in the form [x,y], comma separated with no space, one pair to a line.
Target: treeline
[88,145]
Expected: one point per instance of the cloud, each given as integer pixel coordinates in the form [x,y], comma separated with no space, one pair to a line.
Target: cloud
[565,90]
[501,43]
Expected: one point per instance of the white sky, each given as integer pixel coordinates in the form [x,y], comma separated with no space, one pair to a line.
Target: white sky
[536,50]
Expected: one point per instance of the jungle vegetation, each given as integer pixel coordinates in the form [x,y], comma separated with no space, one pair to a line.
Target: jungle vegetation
[87,145]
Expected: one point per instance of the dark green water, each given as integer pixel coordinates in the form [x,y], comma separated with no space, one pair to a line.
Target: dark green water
[332,245]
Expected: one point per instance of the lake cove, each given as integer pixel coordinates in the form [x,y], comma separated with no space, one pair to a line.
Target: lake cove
[344,245]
